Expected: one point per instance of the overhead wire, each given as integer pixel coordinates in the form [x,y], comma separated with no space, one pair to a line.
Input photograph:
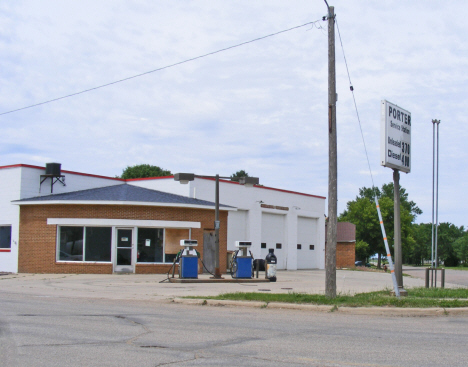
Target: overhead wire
[382,227]
[351,88]
[159,69]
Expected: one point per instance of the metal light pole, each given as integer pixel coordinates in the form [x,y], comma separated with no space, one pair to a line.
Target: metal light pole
[397,229]
[435,194]
[217,273]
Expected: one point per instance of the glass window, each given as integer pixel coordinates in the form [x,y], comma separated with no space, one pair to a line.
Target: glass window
[85,243]
[71,244]
[98,244]
[5,236]
[150,245]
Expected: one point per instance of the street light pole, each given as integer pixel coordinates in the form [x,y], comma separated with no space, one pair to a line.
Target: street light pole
[217,273]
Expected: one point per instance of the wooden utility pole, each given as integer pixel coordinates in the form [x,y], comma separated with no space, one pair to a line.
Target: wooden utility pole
[330,251]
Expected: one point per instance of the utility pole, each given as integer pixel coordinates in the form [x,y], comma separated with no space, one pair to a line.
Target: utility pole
[330,249]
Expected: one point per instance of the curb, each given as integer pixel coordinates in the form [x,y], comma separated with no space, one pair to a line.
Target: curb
[377,311]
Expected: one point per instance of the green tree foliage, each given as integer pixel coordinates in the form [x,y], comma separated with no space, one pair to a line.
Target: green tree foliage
[144,170]
[422,235]
[461,248]
[239,174]
[363,213]
[448,234]
[362,250]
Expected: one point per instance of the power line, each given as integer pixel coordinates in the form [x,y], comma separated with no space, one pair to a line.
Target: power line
[351,88]
[159,69]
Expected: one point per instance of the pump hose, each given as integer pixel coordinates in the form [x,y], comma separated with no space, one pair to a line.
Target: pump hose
[172,267]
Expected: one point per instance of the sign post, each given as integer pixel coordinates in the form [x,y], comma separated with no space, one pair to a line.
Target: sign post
[395,153]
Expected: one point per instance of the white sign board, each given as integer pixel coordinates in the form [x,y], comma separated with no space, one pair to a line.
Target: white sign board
[395,137]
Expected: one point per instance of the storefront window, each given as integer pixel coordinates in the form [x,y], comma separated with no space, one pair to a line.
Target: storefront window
[98,243]
[150,245]
[96,246]
[71,244]
[5,236]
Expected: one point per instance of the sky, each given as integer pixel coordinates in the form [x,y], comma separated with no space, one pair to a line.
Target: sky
[261,107]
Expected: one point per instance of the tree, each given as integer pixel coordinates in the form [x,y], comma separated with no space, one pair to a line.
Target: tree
[144,170]
[362,251]
[239,174]
[363,213]
[448,234]
[461,248]
[422,235]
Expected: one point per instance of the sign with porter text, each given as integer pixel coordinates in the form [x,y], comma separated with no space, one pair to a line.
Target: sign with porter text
[395,137]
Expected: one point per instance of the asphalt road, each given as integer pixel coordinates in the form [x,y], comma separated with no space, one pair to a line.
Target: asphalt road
[52,331]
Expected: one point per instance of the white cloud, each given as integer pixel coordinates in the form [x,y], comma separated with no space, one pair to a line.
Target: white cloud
[261,107]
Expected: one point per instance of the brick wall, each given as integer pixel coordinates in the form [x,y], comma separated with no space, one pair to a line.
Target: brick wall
[345,254]
[37,239]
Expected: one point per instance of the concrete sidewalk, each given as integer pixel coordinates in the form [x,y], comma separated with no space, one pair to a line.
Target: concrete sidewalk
[156,288]
[153,286]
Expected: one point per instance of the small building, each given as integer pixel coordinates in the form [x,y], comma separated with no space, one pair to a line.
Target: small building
[71,222]
[345,245]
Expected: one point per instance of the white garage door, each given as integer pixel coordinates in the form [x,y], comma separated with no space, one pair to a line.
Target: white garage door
[274,236]
[237,228]
[307,240]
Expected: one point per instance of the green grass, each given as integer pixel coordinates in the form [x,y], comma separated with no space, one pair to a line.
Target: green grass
[417,297]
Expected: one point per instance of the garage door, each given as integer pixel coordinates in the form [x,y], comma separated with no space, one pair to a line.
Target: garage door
[307,239]
[274,236]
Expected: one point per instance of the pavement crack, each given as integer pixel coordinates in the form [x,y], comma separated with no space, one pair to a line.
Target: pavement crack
[145,328]
[195,357]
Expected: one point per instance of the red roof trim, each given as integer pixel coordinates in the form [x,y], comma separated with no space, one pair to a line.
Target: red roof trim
[266,188]
[65,171]
[147,178]
[163,177]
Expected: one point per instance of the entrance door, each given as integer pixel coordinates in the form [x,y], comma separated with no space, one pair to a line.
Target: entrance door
[123,262]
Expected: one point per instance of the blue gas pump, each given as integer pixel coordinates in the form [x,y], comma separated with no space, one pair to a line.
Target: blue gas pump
[188,265]
[241,266]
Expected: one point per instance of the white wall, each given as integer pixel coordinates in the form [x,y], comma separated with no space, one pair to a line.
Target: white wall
[20,182]
[237,228]
[30,181]
[272,225]
[163,184]
[10,179]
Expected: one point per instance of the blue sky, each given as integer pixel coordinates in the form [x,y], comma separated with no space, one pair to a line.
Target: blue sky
[261,107]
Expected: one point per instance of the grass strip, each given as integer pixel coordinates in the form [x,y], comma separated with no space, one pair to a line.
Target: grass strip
[417,298]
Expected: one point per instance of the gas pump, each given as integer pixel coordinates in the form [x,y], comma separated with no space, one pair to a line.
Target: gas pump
[241,265]
[188,264]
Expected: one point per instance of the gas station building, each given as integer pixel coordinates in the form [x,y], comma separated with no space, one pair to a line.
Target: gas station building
[58,221]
